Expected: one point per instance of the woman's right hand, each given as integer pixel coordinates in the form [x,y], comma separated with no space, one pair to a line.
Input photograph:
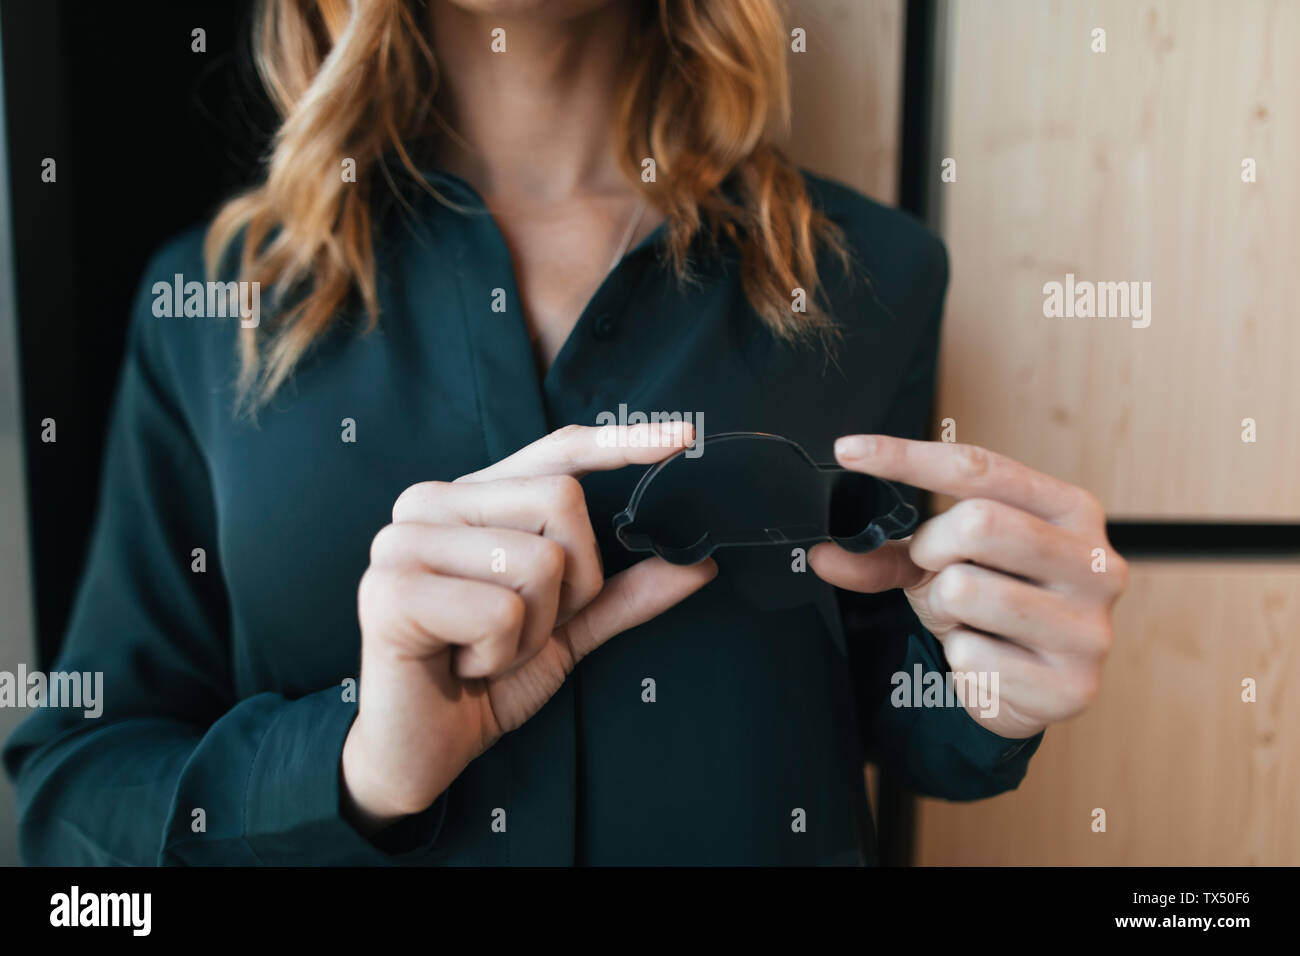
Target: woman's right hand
[480,599]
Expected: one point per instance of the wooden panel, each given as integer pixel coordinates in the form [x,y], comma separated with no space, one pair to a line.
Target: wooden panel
[1127,166]
[847,91]
[1188,773]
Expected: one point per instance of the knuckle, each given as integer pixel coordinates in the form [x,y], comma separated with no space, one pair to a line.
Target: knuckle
[955,586]
[414,496]
[1104,638]
[978,518]
[960,651]
[587,593]
[928,547]
[548,561]
[564,493]
[1093,632]
[973,461]
[502,615]
[1090,506]
[1085,686]
[377,590]
[567,437]
[385,544]
[365,587]
[1121,572]
[590,579]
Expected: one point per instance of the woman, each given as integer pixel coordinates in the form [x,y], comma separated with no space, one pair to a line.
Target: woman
[414,413]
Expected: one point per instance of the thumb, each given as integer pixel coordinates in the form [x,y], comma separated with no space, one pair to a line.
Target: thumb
[889,566]
[632,597]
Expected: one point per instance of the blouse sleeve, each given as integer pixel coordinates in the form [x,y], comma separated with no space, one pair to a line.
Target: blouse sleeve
[939,751]
[174,769]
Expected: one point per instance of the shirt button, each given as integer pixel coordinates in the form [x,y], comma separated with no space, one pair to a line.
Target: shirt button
[604,326]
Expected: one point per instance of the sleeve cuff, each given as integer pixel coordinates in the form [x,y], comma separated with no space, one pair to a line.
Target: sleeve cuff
[987,749]
[952,755]
[292,805]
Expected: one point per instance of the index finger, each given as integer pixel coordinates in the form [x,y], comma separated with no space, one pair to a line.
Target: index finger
[962,471]
[578,449]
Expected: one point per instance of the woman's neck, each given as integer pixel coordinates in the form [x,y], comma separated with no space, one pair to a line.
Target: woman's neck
[534,119]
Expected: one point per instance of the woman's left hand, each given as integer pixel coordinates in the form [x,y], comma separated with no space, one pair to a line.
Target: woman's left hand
[1018,578]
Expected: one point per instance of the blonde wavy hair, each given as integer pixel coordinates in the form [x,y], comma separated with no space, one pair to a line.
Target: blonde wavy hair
[704,92]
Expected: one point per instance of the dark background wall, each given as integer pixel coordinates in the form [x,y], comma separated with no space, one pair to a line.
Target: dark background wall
[148,136]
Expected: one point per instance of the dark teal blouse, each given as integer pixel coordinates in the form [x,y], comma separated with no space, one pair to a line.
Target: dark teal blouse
[224,689]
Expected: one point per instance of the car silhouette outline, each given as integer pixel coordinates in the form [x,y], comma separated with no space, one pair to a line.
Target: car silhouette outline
[630,525]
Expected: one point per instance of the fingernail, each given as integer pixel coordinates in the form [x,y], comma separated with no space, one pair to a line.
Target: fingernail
[853,446]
